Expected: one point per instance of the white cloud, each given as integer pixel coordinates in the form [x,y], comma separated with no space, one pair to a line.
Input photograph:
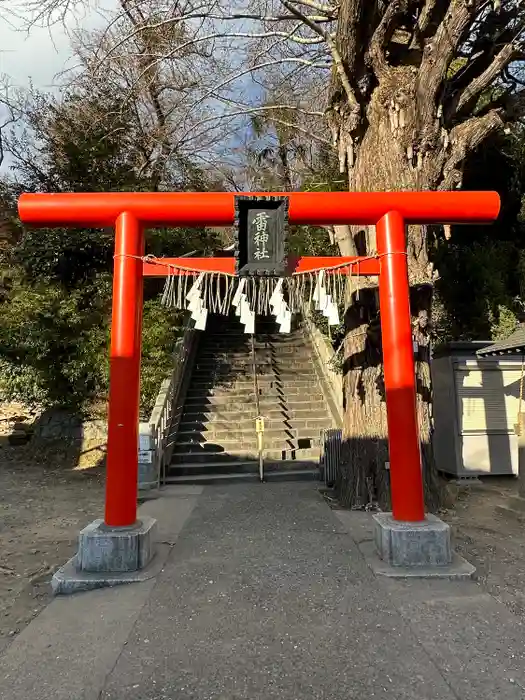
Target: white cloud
[42,53]
[36,57]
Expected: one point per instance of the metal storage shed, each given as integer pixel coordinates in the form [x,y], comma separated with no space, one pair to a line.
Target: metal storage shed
[476,402]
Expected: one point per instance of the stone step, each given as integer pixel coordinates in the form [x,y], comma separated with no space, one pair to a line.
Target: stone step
[233,416]
[260,350]
[242,344]
[247,363]
[239,387]
[214,478]
[238,467]
[234,412]
[247,443]
[246,403]
[276,421]
[299,437]
[243,397]
[265,371]
[229,409]
[261,339]
[241,353]
[286,379]
[262,355]
[246,392]
[234,327]
[273,455]
[269,375]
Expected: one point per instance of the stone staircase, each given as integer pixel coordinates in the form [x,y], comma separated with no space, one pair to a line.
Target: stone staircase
[216,439]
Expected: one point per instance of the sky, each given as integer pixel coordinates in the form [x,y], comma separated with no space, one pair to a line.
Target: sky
[36,57]
[40,54]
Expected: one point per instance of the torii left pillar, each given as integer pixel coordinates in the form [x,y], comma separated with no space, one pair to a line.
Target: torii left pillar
[126,331]
[119,547]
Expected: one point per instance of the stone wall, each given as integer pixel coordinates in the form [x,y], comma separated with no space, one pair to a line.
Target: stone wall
[325,355]
[55,425]
[88,437]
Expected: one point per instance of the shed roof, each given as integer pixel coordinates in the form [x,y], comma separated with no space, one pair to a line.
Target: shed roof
[513,345]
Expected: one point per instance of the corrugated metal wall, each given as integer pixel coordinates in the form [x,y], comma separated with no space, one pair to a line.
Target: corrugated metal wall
[331,442]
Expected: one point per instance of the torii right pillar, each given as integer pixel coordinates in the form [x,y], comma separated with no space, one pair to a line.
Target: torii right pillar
[408,541]
[399,371]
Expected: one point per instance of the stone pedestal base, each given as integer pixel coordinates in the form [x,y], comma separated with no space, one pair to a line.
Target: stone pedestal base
[108,556]
[412,544]
[116,550]
[414,550]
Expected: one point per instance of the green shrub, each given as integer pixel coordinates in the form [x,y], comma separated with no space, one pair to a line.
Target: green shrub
[52,343]
[161,328]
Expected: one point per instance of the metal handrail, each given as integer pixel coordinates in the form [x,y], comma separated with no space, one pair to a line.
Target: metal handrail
[159,424]
[254,373]
[259,420]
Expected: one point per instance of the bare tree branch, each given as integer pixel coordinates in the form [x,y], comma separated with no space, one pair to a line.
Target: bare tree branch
[7,114]
[382,36]
[160,58]
[427,15]
[328,10]
[437,56]
[254,110]
[479,84]
[464,139]
[336,56]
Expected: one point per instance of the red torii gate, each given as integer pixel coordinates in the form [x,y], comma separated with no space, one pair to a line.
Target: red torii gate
[131,213]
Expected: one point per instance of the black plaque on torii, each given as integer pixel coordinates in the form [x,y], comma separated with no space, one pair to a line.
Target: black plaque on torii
[261,228]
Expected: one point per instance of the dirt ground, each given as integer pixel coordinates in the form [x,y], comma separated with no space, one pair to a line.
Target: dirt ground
[493,542]
[45,501]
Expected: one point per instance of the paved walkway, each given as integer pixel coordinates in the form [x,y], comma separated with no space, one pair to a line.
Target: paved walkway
[264,594]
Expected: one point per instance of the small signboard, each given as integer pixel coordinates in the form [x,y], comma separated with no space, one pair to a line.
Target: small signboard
[145,456]
[261,224]
[144,442]
[259,425]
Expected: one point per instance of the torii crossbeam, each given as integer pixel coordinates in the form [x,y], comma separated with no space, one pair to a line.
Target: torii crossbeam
[131,213]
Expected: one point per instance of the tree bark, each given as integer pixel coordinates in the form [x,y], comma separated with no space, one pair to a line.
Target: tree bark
[384,162]
[406,119]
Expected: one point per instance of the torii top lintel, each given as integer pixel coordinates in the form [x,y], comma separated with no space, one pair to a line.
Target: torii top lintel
[97,209]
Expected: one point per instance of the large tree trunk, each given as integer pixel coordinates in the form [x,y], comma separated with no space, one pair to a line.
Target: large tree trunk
[384,163]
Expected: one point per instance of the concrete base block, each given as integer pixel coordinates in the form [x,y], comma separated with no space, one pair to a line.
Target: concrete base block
[68,579]
[148,477]
[116,550]
[109,557]
[425,544]
[459,568]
